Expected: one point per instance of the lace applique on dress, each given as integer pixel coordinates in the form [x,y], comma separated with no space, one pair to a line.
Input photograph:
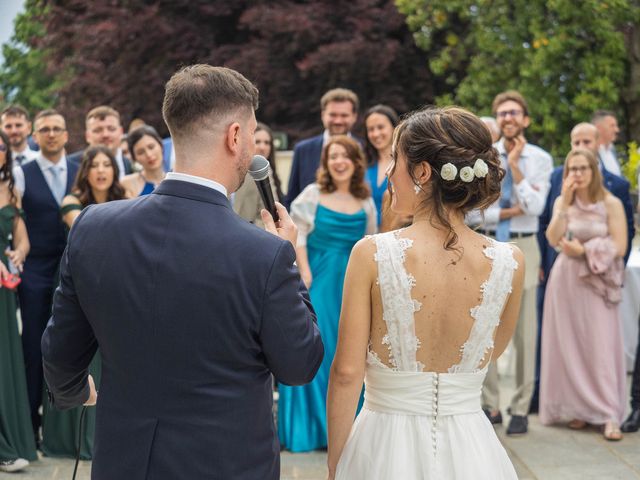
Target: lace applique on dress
[494,291]
[398,306]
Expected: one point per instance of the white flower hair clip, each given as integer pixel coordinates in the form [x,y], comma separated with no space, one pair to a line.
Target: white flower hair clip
[480,168]
[449,172]
[466,174]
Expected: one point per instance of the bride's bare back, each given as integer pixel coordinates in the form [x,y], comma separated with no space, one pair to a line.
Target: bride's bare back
[447,286]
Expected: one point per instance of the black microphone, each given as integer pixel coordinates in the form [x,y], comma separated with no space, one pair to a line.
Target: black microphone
[259,171]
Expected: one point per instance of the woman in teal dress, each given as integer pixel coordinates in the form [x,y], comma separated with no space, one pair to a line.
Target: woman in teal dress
[380,120]
[332,215]
[146,150]
[17,444]
[96,182]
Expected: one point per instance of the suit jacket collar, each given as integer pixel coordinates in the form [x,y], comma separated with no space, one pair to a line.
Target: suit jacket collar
[192,191]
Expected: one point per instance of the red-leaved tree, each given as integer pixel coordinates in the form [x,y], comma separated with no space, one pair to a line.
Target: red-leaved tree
[122,53]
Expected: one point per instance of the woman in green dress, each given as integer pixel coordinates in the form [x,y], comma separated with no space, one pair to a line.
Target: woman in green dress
[17,445]
[96,182]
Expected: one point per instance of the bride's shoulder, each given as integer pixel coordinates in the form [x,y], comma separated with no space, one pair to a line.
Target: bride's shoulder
[510,251]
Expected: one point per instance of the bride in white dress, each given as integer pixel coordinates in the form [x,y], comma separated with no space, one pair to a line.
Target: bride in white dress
[425,308]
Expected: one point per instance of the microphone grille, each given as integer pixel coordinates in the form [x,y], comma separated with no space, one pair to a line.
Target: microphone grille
[259,168]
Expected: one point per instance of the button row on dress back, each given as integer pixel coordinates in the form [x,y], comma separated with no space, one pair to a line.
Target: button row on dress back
[436,399]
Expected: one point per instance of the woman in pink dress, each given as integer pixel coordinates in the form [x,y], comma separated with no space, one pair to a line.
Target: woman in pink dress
[582,368]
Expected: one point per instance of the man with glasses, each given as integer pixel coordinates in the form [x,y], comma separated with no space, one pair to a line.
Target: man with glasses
[14,120]
[514,218]
[103,127]
[42,183]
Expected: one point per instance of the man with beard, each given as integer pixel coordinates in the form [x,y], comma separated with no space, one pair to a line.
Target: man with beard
[339,109]
[103,127]
[42,183]
[15,123]
[514,218]
[194,309]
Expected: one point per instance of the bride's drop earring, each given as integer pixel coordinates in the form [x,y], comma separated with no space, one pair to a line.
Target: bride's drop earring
[417,188]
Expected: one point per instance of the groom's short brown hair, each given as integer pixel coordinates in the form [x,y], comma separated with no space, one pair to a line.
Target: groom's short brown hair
[202,95]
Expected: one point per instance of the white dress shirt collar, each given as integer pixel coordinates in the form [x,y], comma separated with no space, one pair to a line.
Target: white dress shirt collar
[205,182]
[46,164]
[326,136]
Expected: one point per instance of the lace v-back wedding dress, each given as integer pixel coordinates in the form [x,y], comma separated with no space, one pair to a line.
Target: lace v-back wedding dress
[420,425]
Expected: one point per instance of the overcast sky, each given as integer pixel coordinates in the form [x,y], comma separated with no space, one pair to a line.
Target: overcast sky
[8,11]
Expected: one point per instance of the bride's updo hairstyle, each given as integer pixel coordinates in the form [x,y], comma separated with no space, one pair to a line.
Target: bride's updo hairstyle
[451,136]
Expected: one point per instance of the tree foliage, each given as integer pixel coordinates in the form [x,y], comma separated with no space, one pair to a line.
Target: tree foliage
[568,59]
[122,52]
[24,77]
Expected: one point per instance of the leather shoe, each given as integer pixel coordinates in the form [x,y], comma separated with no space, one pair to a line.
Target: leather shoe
[494,419]
[519,425]
[632,423]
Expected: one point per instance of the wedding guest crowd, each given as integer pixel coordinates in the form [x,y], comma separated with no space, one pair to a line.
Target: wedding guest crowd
[574,224]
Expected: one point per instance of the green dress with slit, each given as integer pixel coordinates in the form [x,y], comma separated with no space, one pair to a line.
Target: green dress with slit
[16,431]
[60,427]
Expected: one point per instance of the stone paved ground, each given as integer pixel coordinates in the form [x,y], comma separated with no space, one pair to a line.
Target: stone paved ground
[546,453]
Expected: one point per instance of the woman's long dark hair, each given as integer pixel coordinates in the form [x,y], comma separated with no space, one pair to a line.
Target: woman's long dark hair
[136,135]
[390,113]
[272,160]
[6,172]
[81,186]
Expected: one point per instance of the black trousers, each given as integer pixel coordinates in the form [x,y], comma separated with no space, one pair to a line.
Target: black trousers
[35,294]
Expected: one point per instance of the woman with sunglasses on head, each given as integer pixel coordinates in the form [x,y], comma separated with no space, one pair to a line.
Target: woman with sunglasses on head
[17,444]
[582,368]
[96,182]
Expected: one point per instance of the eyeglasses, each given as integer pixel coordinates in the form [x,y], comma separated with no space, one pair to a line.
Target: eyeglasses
[3,148]
[581,169]
[505,113]
[47,130]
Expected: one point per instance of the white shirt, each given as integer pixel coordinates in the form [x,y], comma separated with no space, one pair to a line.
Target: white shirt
[531,193]
[120,162]
[326,136]
[45,166]
[205,182]
[28,155]
[609,159]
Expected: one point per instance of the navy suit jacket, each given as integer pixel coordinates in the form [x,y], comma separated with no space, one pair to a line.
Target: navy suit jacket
[618,186]
[193,310]
[306,160]
[77,158]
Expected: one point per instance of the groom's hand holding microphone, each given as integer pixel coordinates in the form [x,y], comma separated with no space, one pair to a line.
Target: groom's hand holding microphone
[284,227]
[275,217]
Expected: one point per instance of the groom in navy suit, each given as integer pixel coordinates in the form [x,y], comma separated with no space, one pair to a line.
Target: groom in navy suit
[193,308]
[339,109]
[42,183]
[584,135]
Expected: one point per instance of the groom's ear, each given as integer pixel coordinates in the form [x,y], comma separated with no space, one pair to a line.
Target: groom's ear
[232,138]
